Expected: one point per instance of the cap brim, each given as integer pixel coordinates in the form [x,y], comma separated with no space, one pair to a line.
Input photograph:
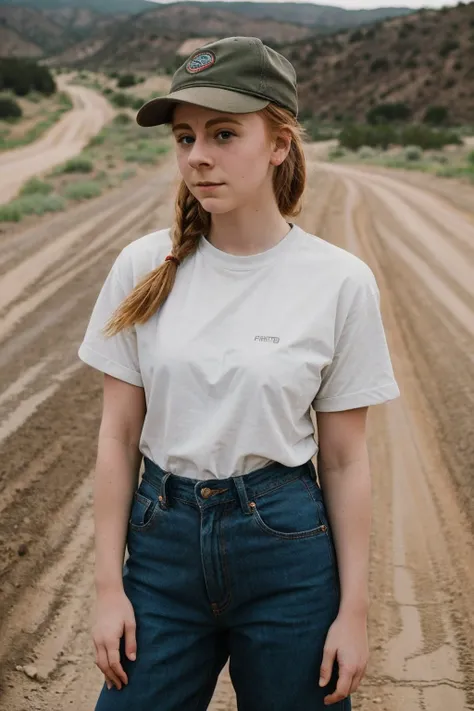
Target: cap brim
[158,111]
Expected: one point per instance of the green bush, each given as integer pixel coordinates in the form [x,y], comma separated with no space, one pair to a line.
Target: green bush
[413,153]
[470,158]
[427,138]
[337,152]
[435,115]
[126,80]
[354,136]
[83,190]
[23,76]
[447,47]
[76,165]
[381,64]
[30,205]
[385,113]
[122,119]
[365,152]
[35,186]
[9,108]
[440,158]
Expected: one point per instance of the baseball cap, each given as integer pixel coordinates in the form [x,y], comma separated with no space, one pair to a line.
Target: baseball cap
[234,74]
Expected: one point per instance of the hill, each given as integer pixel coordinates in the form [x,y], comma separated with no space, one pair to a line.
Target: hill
[425,59]
[128,7]
[325,17]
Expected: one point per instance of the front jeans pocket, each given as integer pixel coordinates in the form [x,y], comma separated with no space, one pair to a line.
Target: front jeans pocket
[289,511]
[145,510]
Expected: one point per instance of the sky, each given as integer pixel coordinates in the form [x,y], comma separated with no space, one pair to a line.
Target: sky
[366,4]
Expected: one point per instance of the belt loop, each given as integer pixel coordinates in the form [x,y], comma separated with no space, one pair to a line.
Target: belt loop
[242,493]
[162,497]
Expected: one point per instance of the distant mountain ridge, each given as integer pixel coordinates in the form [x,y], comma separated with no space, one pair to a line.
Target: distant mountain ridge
[305,13]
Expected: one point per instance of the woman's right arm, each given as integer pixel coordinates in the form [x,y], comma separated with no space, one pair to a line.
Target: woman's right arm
[116,477]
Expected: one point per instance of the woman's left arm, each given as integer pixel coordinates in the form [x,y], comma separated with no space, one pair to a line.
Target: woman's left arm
[344,474]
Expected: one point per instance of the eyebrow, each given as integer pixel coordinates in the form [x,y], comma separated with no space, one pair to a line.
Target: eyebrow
[211,122]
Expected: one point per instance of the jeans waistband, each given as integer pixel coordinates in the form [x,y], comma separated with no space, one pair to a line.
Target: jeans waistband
[210,492]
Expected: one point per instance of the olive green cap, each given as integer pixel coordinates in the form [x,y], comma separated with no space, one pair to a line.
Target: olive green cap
[235,75]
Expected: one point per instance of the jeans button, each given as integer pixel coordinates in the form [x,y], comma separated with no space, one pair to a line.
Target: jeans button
[206,492]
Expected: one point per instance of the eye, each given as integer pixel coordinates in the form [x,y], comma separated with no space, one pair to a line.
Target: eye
[226,134]
[182,139]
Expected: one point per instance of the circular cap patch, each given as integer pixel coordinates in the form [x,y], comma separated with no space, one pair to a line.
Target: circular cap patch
[200,61]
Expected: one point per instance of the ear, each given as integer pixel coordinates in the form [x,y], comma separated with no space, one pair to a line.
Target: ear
[280,147]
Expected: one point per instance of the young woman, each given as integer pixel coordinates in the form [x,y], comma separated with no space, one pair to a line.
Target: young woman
[216,337]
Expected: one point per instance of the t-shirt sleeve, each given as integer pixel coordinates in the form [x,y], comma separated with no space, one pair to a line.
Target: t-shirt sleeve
[361,371]
[115,355]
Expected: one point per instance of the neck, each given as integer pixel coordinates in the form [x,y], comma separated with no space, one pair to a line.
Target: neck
[248,230]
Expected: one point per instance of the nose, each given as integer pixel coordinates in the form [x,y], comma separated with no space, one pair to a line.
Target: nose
[199,153]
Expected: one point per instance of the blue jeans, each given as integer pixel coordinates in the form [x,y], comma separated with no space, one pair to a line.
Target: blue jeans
[242,568]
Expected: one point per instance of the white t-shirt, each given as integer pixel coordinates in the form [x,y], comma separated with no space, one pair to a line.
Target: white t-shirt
[241,349]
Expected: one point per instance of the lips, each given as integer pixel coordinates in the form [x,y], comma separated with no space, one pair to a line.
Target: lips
[207,184]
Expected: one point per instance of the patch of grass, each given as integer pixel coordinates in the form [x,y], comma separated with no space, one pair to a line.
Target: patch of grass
[78,164]
[37,204]
[63,104]
[83,190]
[35,186]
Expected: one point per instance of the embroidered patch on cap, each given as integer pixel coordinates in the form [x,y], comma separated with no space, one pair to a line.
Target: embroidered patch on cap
[200,61]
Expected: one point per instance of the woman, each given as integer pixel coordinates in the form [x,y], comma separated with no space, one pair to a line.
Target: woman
[215,338]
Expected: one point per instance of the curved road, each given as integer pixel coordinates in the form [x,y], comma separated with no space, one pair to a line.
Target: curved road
[64,140]
[417,233]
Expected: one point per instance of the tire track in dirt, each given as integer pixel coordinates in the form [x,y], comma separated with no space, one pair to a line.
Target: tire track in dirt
[428,661]
[65,139]
[421,615]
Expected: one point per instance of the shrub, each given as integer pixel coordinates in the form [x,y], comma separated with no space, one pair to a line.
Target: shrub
[384,113]
[413,153]
[447,47]
[470,158]
[126,80]
[337,152]
[122,119]
[366,152]
[76,165]
[35,186]
[83,190]
[381,64]
[440,158]
[354,136]
[435,115]
[30,205]
[9,108]
[24,75]
[356,36]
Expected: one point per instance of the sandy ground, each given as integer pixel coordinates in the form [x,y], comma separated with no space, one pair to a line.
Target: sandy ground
[417,233]
[65,139]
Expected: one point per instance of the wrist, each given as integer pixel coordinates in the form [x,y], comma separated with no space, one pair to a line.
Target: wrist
[108,587]
[354,608]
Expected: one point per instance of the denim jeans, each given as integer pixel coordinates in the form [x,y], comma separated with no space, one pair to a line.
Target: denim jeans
[240,569]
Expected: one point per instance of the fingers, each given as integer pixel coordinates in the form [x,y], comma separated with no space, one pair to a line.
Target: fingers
[343,687]
[326,666]
[108,661]
[130,640]
[113,654]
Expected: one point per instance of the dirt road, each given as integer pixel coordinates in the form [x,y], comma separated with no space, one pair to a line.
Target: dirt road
[65,139]
[417,233]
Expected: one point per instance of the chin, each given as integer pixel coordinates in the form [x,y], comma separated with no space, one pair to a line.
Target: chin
[216,206]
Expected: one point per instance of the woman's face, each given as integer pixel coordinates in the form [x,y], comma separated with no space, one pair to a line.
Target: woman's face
[235,152]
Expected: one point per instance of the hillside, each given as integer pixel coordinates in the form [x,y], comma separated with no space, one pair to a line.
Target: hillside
[128,7]
[426,59]
[152,39]
[325,17]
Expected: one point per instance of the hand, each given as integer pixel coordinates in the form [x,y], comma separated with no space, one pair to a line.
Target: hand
[347,639]
[114,617]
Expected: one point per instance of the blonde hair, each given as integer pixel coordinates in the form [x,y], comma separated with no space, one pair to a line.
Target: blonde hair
[192,221]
